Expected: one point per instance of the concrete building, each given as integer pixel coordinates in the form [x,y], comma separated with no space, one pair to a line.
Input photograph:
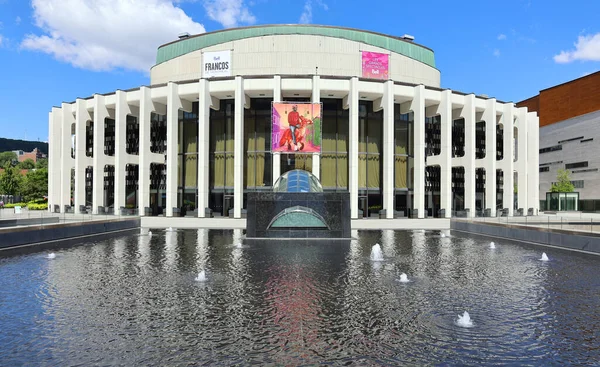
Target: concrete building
[569,116]
[199,137]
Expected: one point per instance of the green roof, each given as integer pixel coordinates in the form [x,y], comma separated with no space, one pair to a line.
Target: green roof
[394,44]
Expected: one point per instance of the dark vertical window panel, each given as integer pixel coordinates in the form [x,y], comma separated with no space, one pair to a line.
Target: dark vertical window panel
[131,185]
[458,189]
[132,136]
[89,185]
[158,133]
[109,185]
[109,137]
[480,148]
[499,142]
[433,135]
[458,138]
[89,139]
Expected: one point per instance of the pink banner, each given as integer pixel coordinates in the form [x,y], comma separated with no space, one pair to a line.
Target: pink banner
[375,65]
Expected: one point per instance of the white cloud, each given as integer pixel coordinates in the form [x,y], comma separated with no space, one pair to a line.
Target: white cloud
[107,34]
[501,37]
[307,13]
[229,13]
[1,39]
[18,20]
[496,52]
[587,48]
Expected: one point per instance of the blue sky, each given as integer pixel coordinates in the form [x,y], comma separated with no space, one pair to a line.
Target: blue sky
[57,50]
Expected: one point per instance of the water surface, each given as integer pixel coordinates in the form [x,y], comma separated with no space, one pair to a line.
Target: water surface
[133,300]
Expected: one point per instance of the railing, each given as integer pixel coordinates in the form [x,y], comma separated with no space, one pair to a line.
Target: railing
[573,221]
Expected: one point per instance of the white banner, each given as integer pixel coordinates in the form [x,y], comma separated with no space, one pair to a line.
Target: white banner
[216,64]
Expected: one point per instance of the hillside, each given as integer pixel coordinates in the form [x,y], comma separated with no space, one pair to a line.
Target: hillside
[24,145]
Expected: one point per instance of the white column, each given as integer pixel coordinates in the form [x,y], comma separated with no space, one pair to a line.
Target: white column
[99,159]
[388,148]
[238,155]
[121,111]
[81,117]
[144,146]
[204,103]
[507,161]
[522,163]
[353,147]
[533,174]
[446,152]
[316,98]
[469,158]
[54,157]
[418,108]
[489,116]
[173,106]
[276,156]
[66,162]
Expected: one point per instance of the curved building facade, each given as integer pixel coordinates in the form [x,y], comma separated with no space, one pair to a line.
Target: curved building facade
[202,135]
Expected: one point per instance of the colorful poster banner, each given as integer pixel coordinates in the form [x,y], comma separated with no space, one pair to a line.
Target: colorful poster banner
[375,65]
[296,127]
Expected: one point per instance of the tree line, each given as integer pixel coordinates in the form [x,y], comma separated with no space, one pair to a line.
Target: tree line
[31,186]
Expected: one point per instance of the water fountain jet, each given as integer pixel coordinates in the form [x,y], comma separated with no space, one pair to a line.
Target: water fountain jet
[376,254]
[403,278]
[492,245]
[544,257]
[464,320]
[51,255]
[201,276]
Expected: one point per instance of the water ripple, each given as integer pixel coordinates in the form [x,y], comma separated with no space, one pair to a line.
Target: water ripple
[133,301]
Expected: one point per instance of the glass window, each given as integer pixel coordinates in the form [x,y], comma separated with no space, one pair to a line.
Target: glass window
[257,142]
[334,148]
[297,181]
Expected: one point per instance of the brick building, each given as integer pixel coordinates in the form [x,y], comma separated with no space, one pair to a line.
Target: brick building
[569,115]
[34,155]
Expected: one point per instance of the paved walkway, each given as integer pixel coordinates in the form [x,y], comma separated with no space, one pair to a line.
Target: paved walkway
[585,222]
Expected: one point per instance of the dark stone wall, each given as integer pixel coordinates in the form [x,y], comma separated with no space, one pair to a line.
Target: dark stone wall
[334,207]
[11,237]
[28,221]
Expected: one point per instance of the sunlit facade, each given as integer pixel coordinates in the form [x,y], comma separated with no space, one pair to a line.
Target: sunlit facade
[198,139]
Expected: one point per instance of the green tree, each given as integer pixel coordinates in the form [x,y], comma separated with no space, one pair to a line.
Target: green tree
[10,181]
[7,158]
[563,182]
[35,184]
[42,163]
[26,164]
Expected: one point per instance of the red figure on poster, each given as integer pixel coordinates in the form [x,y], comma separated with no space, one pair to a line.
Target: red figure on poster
[294,137]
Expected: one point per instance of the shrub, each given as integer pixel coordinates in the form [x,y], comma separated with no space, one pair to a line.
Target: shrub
[12,205]
[34,206]
[38,201]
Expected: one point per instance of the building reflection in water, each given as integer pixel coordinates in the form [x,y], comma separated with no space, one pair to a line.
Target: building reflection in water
[295,309]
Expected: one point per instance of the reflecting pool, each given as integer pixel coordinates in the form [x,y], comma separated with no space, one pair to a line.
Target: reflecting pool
[143,300]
